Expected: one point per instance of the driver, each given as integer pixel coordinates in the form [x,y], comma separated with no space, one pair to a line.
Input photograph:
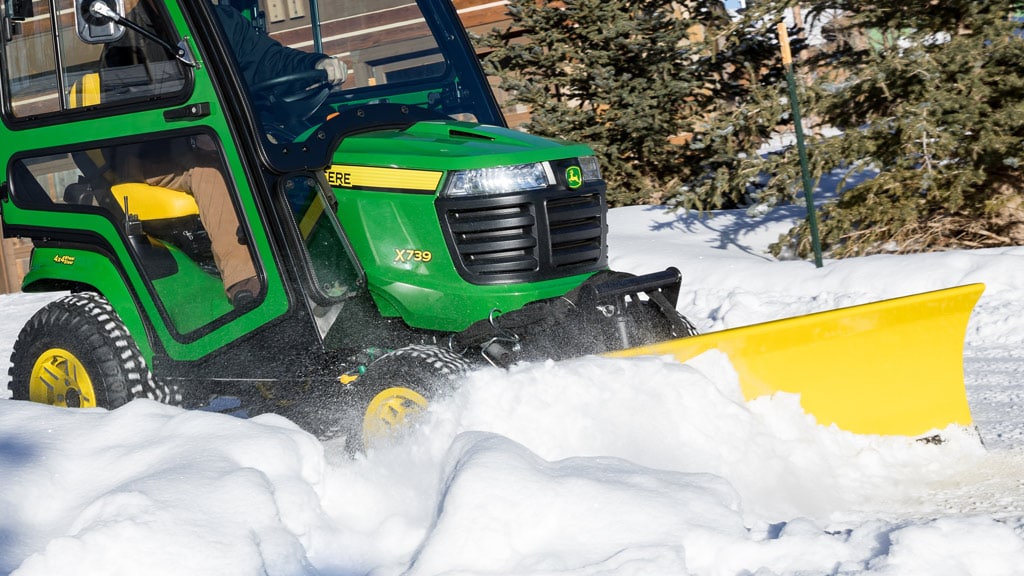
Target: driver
[198,171]
[261,58]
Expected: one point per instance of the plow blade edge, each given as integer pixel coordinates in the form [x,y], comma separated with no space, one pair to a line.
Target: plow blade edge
[893,367]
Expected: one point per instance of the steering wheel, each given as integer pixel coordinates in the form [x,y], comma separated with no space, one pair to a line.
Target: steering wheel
[292,96]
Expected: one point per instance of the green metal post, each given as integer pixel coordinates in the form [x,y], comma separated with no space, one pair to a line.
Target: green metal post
[805,172]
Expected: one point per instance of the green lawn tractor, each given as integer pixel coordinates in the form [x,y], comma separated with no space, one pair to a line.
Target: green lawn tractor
[399,231]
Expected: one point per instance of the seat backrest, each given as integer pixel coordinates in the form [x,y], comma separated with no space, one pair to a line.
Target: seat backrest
[86,91]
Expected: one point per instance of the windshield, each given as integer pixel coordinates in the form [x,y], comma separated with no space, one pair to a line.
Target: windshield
[328,68]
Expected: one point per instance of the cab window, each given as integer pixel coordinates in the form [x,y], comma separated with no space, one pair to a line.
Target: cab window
[171,197]
[403,65]
[56,63]
[384,43]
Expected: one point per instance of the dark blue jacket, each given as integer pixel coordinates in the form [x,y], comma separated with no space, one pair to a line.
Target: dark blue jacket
[260,57]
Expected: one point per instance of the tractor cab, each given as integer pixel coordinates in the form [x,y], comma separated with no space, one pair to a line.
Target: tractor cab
[193,163]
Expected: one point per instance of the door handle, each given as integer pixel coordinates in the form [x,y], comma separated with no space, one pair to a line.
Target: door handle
[189,111]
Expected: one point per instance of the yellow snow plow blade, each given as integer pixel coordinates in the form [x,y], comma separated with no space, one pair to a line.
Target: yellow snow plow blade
[888,367]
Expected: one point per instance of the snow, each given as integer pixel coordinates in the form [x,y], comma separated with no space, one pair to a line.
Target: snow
[592,466]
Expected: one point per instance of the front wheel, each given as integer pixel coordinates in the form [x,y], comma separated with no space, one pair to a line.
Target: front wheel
[75,352]
[396,389]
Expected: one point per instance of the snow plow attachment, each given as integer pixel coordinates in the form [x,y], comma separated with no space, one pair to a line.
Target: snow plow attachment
[893,367]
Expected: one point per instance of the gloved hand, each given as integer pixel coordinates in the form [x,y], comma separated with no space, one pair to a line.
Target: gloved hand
[336,70]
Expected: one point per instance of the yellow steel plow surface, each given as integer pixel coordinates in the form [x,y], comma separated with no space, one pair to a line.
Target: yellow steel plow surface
[888,367]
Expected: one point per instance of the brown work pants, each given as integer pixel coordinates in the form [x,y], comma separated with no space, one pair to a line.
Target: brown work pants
[198,173]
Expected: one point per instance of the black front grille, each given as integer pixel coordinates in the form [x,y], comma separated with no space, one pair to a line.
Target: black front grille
[576,230]
[526,237]
[495,240]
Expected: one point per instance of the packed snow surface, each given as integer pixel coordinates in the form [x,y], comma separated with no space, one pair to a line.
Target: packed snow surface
[592,466]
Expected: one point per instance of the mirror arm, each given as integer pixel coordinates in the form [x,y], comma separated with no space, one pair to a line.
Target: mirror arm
[100,9]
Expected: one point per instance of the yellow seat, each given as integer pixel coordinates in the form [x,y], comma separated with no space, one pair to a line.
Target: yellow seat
[154,202]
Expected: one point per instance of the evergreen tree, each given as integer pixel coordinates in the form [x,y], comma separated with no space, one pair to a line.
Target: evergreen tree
[628,77]
[931,96]
[741,117]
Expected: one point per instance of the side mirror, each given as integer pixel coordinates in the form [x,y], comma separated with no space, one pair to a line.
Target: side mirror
[21,10]
[95,23]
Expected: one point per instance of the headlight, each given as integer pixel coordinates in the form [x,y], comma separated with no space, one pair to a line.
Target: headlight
[499,180]
[590,168]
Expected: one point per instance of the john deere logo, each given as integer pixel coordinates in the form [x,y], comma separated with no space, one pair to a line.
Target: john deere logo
[574,177]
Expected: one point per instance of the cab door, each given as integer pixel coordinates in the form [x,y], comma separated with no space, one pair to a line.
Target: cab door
[118,148]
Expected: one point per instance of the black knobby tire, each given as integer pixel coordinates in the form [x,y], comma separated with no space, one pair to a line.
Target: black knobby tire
[76,352]
[395,389]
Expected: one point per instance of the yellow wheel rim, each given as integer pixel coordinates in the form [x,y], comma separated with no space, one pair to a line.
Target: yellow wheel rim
[59,379]
[391,411]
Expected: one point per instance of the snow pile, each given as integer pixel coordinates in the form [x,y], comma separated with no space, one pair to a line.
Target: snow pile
[151,489]
[590,466]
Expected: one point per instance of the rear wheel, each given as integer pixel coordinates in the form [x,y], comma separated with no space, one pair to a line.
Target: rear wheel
[75,352]
[396,389]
